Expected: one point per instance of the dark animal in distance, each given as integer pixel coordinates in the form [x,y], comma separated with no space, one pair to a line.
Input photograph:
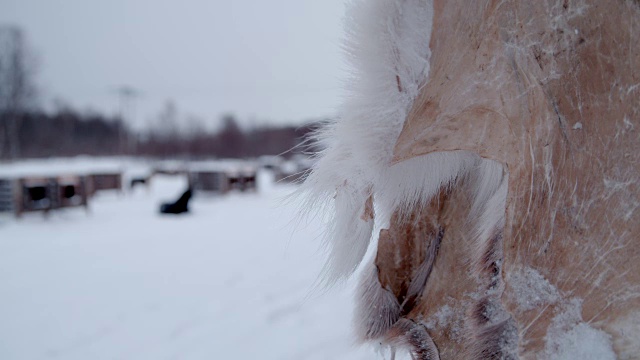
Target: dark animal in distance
[179,206]
[139,181]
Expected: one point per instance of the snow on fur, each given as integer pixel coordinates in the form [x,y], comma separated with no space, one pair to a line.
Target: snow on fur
[569,337]
[532,289]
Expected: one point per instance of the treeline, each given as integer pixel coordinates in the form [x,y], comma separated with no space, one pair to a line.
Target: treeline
[69,133]
[64,133]
[27,132]
[230,141]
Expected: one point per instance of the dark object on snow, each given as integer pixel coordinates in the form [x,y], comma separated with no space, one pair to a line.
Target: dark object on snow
[138,181]
[245,181]
[178,207]
[68,191]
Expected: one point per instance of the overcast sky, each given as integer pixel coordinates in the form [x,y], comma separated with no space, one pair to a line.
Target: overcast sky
[276,60]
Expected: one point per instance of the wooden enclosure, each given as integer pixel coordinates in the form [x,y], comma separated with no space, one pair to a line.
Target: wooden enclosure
[105,181]
[209,181]
[222,177]
[33,193]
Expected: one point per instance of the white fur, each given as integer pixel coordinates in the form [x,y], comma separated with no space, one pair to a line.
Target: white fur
[378,308]
[490,187]
[387,41]
[351,230]
[388,46]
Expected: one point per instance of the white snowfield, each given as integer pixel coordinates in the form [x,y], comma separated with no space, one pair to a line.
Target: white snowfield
[231,280]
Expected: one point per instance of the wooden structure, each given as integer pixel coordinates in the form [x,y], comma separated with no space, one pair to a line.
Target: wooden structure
[32,193]
[222,177]
[209,181]
[105,181]
[8,195]
[244,180]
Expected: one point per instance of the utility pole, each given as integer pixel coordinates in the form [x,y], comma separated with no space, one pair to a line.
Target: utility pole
[126,108]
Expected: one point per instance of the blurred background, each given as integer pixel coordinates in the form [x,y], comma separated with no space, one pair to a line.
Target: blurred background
[148,151]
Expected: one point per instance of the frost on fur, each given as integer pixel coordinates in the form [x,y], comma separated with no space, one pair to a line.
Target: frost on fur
[414,338]
[569,337]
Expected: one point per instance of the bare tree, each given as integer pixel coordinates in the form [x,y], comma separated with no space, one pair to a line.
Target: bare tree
[17,87]
[231,139]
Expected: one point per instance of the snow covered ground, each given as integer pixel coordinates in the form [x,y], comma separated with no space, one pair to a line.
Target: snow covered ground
[231,280]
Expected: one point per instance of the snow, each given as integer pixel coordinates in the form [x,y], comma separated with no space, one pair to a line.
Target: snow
[231,280]
[447,316]
[80,165]
[584,342]
[569,337]
[532,289]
